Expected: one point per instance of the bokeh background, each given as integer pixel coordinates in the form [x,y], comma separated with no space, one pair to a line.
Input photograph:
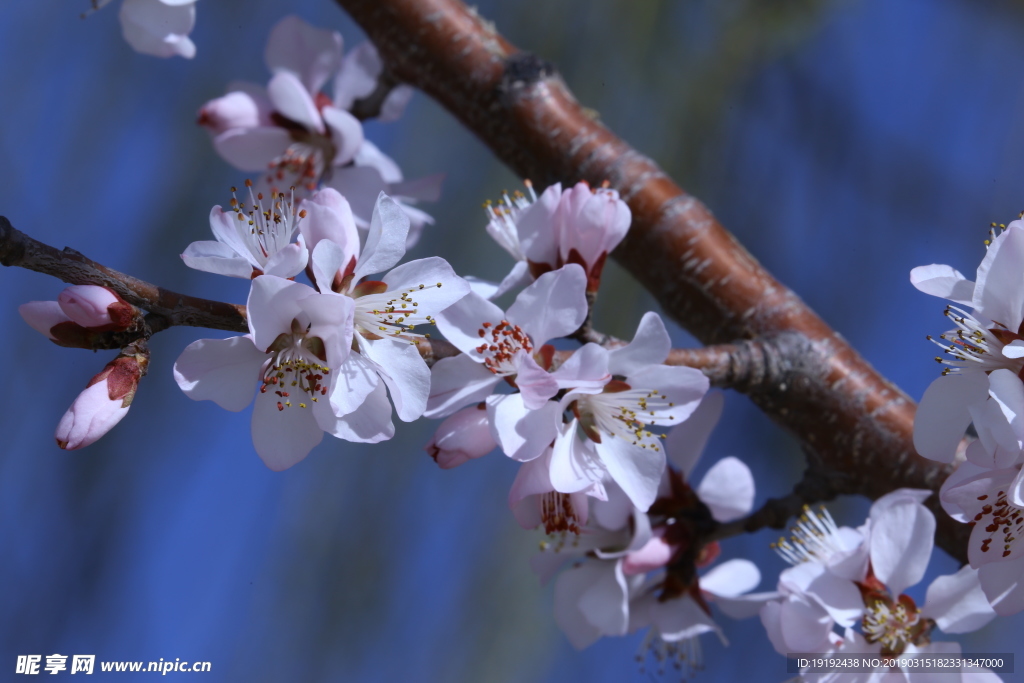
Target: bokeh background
[844,142]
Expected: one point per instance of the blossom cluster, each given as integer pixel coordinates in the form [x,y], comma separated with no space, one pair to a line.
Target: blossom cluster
[981,385]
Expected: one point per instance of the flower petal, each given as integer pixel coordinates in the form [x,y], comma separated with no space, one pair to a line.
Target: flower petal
[432,283]
[252,149]
[957,603]
[999,294]
[686,441]
[291,99]
[553,306]
[727,489]
[902,537]
[157,28]
[943,281]
[370,423]
[943,415]
[523,434]
[385,243]
[637,470]
[346,134]
[404,371]
[216,257]
[92,415]
[283,436]
[456,382]
[650,346]
[43,315]
[310,54]
[272,305]
[224,371]
[288,262]
[1003,587]
[462,322]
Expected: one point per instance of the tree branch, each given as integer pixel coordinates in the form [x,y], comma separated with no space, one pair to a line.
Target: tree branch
[827,395]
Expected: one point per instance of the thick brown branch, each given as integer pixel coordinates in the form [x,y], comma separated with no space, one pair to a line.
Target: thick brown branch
[828,396]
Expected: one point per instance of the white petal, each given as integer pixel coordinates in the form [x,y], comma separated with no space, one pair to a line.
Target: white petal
[942,416]
[573,462]
[1014,349]
[288,262]
[605,604]
[839,597]
[585,371]
[686,441]
[272,305]
[370,423]
[427,273]
[680,619]
[361,186]
[553,306]
[637,470]
[156,28]
[355,380]
[1002,584]
[569,589]
[1006,388]
[282,438]
[523,434]
[291,99]
[957,603]
[405,373]
[536,229]
[225,227]
[949,494]
[328,259]
[224,371]
[745,606]
[727,489]
[346,134]
[385,243]
[902,537]
[681,387]
[329,217]
[358,75]
[771,619]
[536,385]
[461,322]
[425,189]
[457,382]
[999,292]
[215,257]
[943,281]
[310,54]
[731,578]
[252,149]
[650,346]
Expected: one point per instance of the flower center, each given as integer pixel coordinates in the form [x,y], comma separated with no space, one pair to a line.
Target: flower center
[624,412]
[815,538]
[500,345]
[558,513]
[974,345]
[270,229]
[295,367]
[892,625]
[503,215]
[395,313]
[1003,519]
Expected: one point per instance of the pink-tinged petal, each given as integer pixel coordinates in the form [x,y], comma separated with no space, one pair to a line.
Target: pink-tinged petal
[464,436]
[310,54]
[283,436]
[650,346]
[370,423]
[370,156]
[87,304]
[456,382]
[288,262]
[385,242]
[731,579]
[361,186]
[957,603]
[272,305]
[517,277]
[225,227]
[680,619]
[996,438]
[902,537]
[727,489]
[536,385]
[585,371]
[771,619]
[291,99]
[346,134]
[532,479]
[553,306]
[159,29]
[225,371]
[617,511]
[358,75]
[1001,582]
[570,587]
[462,322]
[327,261]
[943,415]
[998,294]
[404,371]
[395,103]
[331,319]
[235,110]
[592,223]
[943,281]
[92,415]
[536,227]
[523,434]
[216,257]
[605,604]
[637,470]
[425,189]
[839,597]
[421,279]
[42,316]
[654,555]
[686,441]
[1007,390]
[482,288]
[252,149]
[329,217]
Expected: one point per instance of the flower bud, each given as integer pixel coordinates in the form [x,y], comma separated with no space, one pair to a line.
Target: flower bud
[96,308]
[234,110]
[43,317]
[464,436]
[591,224]
[654,555]
[104,402]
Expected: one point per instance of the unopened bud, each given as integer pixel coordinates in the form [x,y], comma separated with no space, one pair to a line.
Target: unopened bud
[462,437]
[96,308]
[104,402]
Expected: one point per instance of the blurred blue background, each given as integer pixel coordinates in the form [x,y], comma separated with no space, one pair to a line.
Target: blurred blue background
[843,142]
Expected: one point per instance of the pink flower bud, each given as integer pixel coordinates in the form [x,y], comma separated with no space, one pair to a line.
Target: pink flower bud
[43,316]
[462,437]
[591,224]
[93,307]
[234,110]
[655,554]
[103,403]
